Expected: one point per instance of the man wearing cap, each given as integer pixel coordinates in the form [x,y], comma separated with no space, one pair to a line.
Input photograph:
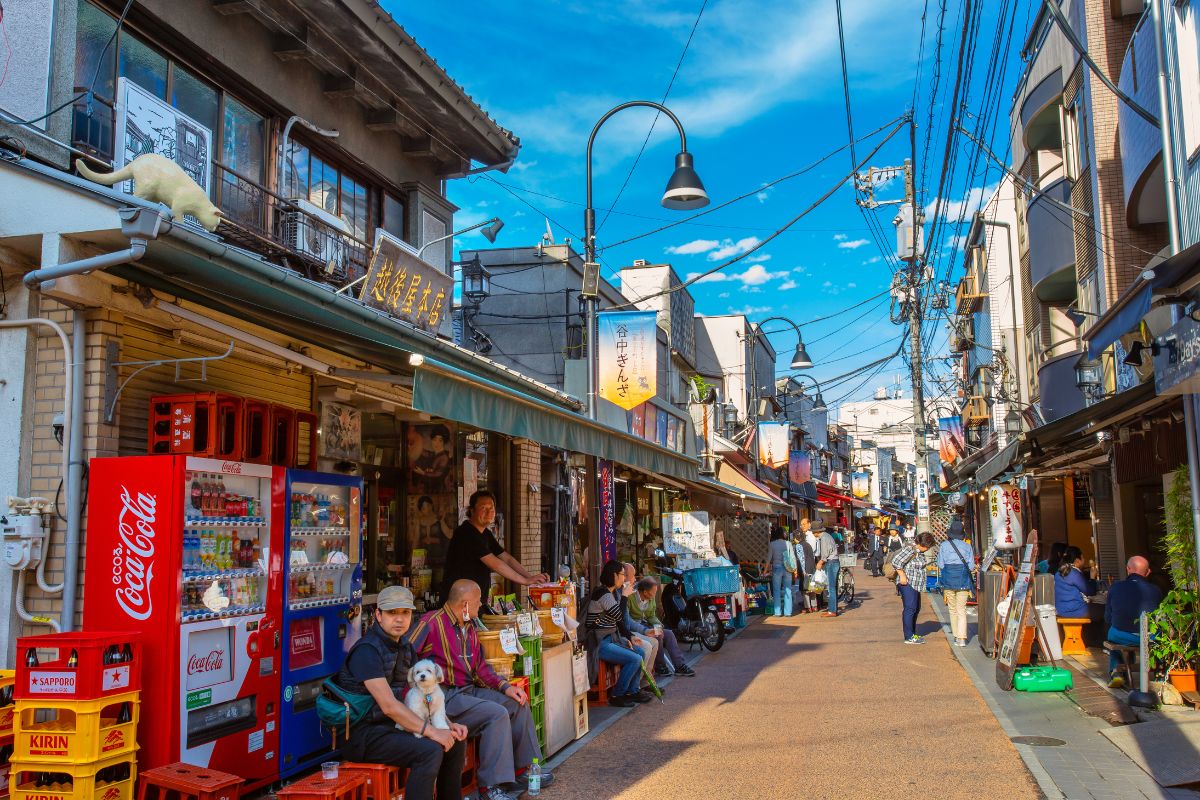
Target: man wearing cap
[378,665]
[827,560]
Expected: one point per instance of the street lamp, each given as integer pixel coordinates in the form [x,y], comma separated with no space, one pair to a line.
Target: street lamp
[1089,377]
[684,192]
[819,406]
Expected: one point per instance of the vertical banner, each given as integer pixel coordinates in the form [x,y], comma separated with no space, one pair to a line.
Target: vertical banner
[799,467]
[773,441]
[627,351]
[922,494]
[952,441]
[1004,507]
[860,484]
[608,515]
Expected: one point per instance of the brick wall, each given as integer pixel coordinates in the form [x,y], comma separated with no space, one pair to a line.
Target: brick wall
[526,472]
[1122,252]
[45,453]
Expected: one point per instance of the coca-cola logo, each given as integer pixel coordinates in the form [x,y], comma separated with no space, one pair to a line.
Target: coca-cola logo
[211,662]
[133,557]
[231,467]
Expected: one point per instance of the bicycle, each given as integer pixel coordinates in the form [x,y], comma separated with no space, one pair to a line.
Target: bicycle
[845,582]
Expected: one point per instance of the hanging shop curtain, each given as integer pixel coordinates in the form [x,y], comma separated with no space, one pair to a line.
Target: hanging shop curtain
[445,391]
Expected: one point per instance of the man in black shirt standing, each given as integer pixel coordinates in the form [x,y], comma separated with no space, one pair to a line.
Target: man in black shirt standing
[475,554]
[378,665]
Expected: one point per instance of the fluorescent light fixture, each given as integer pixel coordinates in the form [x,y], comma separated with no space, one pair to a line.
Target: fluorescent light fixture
[654,486]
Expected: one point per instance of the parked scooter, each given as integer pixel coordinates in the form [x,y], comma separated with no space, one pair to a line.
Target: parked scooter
[694,619]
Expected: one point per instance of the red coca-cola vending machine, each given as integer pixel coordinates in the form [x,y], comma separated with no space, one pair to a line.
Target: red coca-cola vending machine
[179,549]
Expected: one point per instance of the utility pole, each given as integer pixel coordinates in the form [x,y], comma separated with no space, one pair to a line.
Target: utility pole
[909,224]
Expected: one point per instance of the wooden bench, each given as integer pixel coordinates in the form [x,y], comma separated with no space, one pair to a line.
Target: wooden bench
[1072,641]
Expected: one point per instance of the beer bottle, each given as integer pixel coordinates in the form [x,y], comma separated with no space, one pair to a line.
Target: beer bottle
[31,659]
[126,653]
[125,714]
[73,659]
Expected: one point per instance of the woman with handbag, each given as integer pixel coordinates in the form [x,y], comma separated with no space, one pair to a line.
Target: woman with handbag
[956,567]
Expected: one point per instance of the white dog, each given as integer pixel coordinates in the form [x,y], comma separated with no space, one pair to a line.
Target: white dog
[425,697]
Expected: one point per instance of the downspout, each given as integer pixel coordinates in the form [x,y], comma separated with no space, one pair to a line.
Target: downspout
[140,225]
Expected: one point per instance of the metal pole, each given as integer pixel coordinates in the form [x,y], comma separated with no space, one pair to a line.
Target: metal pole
[1167,129]
[914,334]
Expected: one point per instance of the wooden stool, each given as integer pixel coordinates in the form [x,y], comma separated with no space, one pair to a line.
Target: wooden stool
[383,780]
[470,781]
[188,781]
[346,786]
[1072,642]
[1129,657]
[606,678]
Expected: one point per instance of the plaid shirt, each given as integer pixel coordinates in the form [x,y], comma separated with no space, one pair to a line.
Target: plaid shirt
[913,562]
[440,637]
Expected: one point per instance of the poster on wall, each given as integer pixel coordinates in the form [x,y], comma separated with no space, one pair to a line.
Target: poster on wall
[429,459]
[860,484]
[341,432]
[651,422]
[952,441]
[636,417]
[661,436]
[608,511]
[672,433]
[799,467]
[1004,508]
[627,351]
[431,523]
[687,534]
[773,440]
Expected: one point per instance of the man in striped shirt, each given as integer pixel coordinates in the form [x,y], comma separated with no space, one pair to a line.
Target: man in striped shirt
[476,696]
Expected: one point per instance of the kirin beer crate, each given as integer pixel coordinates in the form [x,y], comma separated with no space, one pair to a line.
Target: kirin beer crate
[8,679]
[109,779]
[78,665]
[53,733]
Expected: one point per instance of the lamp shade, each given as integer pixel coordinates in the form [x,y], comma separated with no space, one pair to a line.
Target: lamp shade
[492,230]
[819,406]
[800,359]
[684,191]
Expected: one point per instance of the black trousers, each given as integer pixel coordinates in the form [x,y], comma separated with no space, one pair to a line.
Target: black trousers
[426,762]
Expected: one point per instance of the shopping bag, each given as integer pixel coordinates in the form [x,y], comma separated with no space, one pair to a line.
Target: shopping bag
[818,581]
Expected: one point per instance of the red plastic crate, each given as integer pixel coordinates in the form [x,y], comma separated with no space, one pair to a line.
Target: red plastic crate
[90,678]
[283,436]
[383,780]
[306,440]
[204,424]
[346,786]
[256,432]
[188,782]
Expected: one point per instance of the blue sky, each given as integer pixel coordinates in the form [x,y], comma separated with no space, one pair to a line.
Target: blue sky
[760,95]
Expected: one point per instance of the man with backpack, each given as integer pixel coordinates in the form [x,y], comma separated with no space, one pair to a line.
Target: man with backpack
[907,568]
[956,565]
[389,732]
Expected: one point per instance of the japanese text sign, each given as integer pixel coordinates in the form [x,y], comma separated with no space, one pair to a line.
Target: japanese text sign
[405,287]
[1004,507]
[627,349]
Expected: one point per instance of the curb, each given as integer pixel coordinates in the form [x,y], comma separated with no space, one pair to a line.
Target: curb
[1045,783]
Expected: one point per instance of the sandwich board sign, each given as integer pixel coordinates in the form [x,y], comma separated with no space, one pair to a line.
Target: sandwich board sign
[1019,622]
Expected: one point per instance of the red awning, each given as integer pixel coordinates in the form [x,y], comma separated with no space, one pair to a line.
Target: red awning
[827,494]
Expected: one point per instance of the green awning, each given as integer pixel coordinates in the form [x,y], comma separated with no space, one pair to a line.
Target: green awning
[445,391]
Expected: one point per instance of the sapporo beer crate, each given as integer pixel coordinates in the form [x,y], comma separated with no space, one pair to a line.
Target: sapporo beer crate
[8,679]
[108,779]
[55,732]
[78,665]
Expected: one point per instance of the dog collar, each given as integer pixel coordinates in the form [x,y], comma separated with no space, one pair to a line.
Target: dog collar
[428,699]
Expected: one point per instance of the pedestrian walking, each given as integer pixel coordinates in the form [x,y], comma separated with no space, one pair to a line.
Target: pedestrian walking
[956,567]
[875,552]
[781,576]
[910,565]
[806,563]
[893,543]
[827,559]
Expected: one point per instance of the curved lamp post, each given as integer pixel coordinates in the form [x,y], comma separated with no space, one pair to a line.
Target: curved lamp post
[684,192]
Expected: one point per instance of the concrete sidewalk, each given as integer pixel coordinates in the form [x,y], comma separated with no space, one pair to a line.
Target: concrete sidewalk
[1086,765]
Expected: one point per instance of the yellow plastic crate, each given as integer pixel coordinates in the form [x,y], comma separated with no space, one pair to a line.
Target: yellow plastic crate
[8,677]
[74,731]
[107,779]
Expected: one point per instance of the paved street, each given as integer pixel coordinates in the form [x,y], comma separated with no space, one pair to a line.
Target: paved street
[815,708]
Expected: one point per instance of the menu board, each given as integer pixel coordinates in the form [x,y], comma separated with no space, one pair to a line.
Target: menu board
[1013,650]
[687,533]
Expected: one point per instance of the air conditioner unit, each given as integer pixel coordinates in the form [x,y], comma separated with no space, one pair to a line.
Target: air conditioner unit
[316,233]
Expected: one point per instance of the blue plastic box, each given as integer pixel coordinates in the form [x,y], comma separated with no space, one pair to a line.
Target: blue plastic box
[711,580]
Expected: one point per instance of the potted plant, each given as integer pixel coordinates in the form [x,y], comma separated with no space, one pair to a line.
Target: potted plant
[1175,626]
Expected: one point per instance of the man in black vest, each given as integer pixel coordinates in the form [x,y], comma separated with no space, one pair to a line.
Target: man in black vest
[378,664]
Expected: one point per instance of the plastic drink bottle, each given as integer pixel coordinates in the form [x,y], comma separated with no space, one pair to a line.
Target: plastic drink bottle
[534,777]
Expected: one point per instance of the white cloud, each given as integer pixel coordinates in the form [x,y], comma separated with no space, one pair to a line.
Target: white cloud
[723,295]
[694,247]
[799,270]
[730,248]
[840,237]
[970,202]
[851,285]
[755,275]
[787,285]
[872,260]
[521,166]
[763,195]
[826,284]
[852,244]
[747,311]
[758,258]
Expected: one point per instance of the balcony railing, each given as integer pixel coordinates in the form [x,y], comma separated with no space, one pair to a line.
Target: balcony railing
[968,298]
[975,411]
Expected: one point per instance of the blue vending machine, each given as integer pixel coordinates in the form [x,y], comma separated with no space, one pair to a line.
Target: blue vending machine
[321,548]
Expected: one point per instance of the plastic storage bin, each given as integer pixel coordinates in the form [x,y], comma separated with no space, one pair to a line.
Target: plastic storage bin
[1042,679]
[711,580]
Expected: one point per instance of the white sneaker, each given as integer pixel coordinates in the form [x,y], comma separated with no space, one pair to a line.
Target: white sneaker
[960,642]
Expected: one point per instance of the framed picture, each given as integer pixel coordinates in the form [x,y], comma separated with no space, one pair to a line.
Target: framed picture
[429,458]
[341,432]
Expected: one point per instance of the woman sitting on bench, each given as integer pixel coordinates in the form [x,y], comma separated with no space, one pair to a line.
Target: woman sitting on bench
[607,638]
[1071,587]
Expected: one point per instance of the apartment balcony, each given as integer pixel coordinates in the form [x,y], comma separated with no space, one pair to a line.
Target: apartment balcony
[1141,142]
[969,296]
[1052,243]
[1060,395]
